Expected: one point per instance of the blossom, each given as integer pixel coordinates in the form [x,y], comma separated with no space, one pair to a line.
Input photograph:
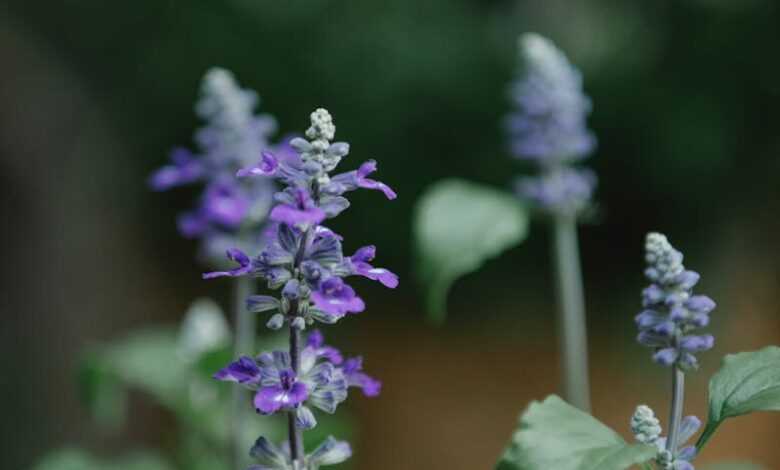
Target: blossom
[549,124]
[305,261]
[277,386]
[671,312]
[233,136]
[353,371]
[548,127]
[359,264]
[334,296]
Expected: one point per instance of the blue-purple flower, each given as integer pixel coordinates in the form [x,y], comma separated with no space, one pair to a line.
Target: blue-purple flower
[305,261]
[321,381]
[232,138]
[302,257]
[672,314]
[549,128]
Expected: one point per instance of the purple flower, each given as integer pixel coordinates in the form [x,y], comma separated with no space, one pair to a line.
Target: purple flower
[353,371]
[243,371]
[306,261]
[359,264]
[315,345]
[564,190]
[266,167]
[184,169]
[671,312]
[297,208]
[549,128]
[335,297]
[353,180]
[549,124]
[225,205]
[244,265]
[232,137]
[287,394]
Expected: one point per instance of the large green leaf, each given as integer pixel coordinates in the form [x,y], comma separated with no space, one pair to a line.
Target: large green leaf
[458,225]
[555,435]
[746,382]
[78,459]
[734,466]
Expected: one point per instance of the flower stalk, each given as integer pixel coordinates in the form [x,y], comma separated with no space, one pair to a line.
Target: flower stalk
[548,129]
[676,410]
[572,328]
[669,324]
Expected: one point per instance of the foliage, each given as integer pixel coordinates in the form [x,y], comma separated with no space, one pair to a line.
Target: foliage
[458,225]
[76,459]
[554,434]
[746,382]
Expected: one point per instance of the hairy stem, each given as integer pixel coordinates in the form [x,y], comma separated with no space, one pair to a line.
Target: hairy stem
[295,432]
[572,330]
[244,322]
[676,411]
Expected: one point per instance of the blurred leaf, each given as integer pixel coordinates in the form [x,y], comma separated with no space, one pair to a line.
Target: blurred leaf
[746,382]
[458,225]
[734,466]
[78,459]
[204,329]
[555,435]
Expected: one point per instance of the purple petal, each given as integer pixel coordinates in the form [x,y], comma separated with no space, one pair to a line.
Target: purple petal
[700,304]
[697,343]
[363,182]
[271,399]
[648,318]
[185,170]
[687,453]
[386,277]
[688,427]
[293,216]
[315,339]
[337,298]
[361,266]
[266,167]
[225,205]
[192,224]
[353,371]
[652,295]
[243,371]
[666,356]
[364,254]
[234,254]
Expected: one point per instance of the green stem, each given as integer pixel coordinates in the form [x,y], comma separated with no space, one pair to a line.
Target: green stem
[572,330]
[676,410]
[706,435]
[244,322]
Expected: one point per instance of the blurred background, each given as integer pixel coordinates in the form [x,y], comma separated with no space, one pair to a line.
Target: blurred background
[94,94]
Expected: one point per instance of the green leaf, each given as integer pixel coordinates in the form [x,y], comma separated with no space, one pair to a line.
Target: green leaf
[734,466]
[458,225]
[746,382]
[79,459]
[555,435]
